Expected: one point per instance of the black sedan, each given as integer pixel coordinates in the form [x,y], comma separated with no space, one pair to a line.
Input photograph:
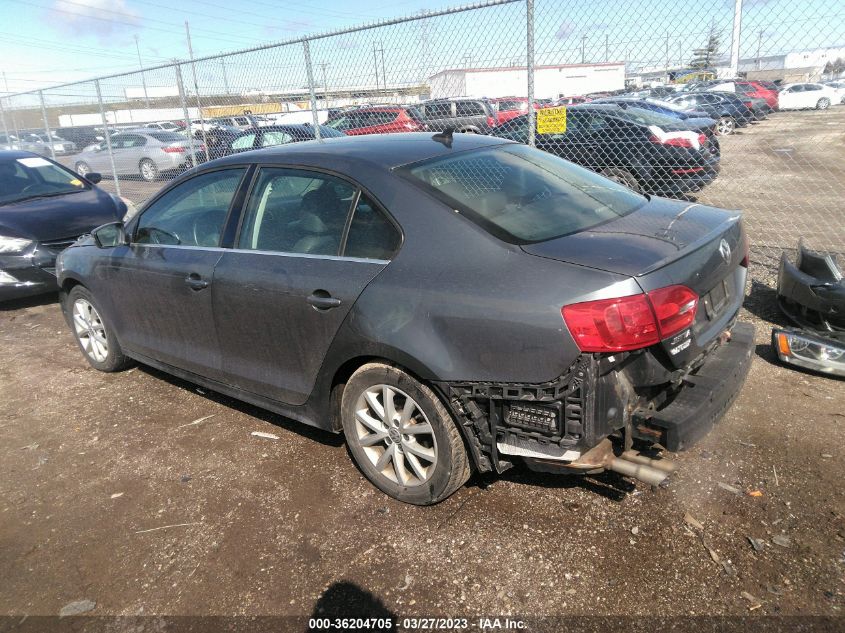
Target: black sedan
[225,142]
[44,207]
[450,303]
[641,149]
[725,108]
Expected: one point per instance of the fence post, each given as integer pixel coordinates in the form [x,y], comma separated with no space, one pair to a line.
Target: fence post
[108,137]
[737,32]
[197,90]
[181,87]
[47,125]
[5,128]
[310,72]
[529,64]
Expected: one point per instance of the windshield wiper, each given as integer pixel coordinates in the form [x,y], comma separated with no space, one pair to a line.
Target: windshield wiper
[51,194]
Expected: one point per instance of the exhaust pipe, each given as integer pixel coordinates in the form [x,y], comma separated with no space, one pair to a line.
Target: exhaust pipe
[663,465]
[643,472]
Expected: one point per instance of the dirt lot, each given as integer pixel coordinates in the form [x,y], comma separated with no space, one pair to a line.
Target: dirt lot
[147,495]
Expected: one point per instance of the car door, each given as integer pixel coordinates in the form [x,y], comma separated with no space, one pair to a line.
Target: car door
[129,156]
[811,95]
[577,144]
[285,289]
[159,286]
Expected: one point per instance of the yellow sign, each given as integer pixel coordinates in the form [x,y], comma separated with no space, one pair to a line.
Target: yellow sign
[551,120]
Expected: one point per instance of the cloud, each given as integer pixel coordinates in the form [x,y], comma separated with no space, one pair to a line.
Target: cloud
[565,30]
[102,19]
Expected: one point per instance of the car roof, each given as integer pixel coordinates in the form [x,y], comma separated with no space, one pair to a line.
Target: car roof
[384,150]
[17,153]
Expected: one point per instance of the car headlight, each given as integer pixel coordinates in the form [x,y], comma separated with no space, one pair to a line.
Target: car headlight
[811,351]
[13,245]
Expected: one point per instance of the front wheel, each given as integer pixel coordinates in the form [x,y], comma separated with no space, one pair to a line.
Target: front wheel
[401,436]
[823,104]
[726,126]
[148,170]
[622,176]
[96,340]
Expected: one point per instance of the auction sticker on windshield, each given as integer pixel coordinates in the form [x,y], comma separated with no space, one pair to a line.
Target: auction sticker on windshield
[33,161]
[551,120]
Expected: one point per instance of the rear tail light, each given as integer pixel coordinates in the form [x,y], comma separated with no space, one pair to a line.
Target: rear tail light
[702,139]
[633,322]
[748,104]
[687,139]
[174,150]
[745,258]
[491,121]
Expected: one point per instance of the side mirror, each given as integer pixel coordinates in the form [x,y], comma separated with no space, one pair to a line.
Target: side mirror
[110,235]
[93,177]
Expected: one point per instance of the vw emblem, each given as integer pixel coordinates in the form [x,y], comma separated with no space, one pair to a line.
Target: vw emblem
[725,251]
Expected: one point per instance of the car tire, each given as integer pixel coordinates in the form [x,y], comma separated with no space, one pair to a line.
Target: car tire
[823,104]
[725,126]
[82,168]
[621,176]
[148,170]
[421,467]
[92,332]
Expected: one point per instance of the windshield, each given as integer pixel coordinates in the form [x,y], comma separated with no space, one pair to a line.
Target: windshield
[521,194]
[35,177]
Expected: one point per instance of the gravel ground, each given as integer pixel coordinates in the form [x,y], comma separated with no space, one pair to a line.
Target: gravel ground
[147,495]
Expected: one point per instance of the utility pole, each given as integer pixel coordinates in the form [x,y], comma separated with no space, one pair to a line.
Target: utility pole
[197,93]
[583,49]
[737,32]
[606,47]
[225,78]
[14,120]
[141,66]
[325,85]
[680,54]
[759,46]
[383,70]
[667,53]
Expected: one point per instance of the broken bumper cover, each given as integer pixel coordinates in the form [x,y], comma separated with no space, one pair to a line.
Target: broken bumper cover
[704,399]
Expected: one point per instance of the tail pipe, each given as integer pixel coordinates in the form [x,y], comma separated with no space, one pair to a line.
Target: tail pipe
[645,472]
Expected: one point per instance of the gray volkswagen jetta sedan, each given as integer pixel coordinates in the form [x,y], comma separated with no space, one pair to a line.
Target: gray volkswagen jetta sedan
[449,303]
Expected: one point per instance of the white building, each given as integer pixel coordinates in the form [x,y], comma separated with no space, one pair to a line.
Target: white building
[549,81]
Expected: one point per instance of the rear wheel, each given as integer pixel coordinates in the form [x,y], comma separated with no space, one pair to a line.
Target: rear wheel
[622,176]
[401,436]
[96,340]
[148,170]
[823,104]
[82,169]
[725,126]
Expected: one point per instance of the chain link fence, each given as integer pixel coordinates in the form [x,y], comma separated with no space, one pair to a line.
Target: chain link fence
[494,68]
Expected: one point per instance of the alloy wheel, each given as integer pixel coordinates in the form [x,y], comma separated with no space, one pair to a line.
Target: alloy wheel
[725,126]
[823,104]
[90,330]
[83,169]
[396,435]
[148,170]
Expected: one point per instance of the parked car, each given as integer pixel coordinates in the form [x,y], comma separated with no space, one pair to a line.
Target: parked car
[167,126]
[838,89]
[508,108]
[450,302]
[805,96]
[241,121]
[638,148]
[378,120]
[25,143]
[270,136]
[82,135]
[729,114]
[460,114]
[44,207]
[572,100]
[743,89]
[61,147]
[144,152]
[695,118]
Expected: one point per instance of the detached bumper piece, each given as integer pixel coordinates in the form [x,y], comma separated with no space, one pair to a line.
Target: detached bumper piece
[705,397]
[817,352]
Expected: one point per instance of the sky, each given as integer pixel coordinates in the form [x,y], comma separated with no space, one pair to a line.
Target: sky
[46,42]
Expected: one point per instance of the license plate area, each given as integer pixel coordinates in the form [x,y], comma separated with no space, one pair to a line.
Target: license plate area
[717,299]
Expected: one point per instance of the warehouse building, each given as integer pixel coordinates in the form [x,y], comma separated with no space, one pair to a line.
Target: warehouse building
[550,82]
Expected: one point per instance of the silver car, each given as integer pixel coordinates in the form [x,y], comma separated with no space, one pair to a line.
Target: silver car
[144,152]
[61,147]
[34,144]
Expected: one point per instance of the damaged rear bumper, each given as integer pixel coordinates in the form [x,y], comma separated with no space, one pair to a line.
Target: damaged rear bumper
[556,426]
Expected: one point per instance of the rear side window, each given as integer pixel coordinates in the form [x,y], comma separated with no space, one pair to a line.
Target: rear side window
[167,137]
[469,108]
[296,211]
[371,234]
[521,194]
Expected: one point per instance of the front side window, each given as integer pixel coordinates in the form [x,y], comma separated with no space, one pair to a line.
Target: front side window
[192,213]
[469,108]
[296,211]
[521,194]
[442,110]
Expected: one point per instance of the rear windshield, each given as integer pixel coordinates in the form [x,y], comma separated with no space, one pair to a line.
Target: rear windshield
[521,194]
[166,137]
[505,106]
[645,117]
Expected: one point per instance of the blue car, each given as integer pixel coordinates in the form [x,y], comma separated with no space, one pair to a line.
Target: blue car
[44,208]
[695,118]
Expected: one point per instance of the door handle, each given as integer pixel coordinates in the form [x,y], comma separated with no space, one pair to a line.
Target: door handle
[322,300]
[194,282]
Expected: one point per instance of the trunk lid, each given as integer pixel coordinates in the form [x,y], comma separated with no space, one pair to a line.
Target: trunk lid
[664,243]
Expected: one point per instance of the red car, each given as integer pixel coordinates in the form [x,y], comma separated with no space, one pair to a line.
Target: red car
[508,108]
[378,120]
[758,90]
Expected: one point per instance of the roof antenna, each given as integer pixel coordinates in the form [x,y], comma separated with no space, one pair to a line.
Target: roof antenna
[444,137]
